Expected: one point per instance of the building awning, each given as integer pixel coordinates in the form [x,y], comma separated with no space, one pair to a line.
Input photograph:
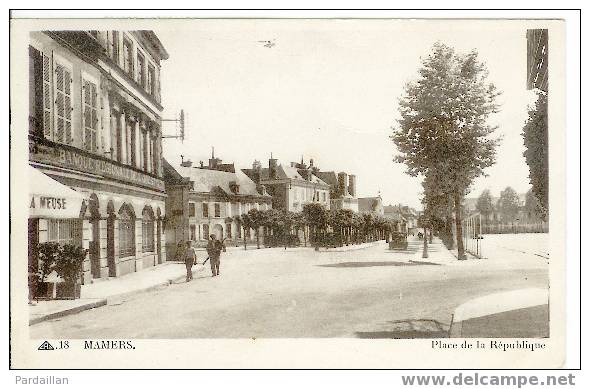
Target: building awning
[50,199]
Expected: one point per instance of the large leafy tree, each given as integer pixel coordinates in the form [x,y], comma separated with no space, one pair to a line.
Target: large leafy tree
[533,208]
[485,205]
[444,123]
[257,220]
[316,216]
[508,204]
[537,153]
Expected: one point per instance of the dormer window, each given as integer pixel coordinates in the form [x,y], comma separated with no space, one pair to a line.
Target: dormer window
[234,187]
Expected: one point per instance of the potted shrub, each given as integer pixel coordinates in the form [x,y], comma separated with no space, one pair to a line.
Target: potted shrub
[48,253]
[68,266]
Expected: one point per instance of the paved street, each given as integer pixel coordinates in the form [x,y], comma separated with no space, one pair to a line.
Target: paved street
[367,293]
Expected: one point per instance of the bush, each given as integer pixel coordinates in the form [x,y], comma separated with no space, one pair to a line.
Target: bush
[48,253]
[69,263]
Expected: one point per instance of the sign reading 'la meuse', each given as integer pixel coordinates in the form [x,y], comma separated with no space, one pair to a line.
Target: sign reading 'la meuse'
[60,155]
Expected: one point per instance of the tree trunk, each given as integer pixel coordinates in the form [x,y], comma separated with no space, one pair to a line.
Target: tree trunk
[245,239]
[459,228]
[258,238]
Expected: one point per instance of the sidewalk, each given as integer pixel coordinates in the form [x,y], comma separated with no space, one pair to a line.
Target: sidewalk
[437,253]
[522,313]
[110,290]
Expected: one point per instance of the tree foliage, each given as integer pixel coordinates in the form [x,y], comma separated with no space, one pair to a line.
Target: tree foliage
[484,204]
[443,131]
[536,153]
[509,204]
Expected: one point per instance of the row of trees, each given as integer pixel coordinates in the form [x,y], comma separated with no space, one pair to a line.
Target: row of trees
[443,134]
[318,225]
[508,207]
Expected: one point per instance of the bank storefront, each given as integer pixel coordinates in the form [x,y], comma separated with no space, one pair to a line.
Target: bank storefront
[114,211]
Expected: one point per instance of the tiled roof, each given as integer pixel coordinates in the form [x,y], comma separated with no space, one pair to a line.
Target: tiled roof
[283,172]
[205,180]
[329,178]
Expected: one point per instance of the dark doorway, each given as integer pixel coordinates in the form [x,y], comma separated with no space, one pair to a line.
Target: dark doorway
[111,246]
[95,249]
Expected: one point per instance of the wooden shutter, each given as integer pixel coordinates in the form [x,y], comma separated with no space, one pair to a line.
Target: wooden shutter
[63,104]
[90,117]
[36,91]
[47,122]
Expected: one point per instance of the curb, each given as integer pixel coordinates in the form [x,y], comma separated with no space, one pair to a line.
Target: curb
[104,301]
[67,312]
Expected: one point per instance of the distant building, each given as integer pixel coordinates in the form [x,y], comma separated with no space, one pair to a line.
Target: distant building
[406,216]
[537,54]
[292,186]
[206,200]
[342,190]
[372,205]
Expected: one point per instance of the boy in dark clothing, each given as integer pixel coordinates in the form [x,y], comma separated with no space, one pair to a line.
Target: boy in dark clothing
[190,258]
[214,248]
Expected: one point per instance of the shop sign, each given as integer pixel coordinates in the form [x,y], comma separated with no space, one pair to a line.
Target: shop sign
[61,156]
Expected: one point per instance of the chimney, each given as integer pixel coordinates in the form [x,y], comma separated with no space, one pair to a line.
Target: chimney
[352,185]
[214,162]
[272,168]
[343,183]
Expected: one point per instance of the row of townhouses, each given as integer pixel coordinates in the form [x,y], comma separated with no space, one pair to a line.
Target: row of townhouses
[97,175]
[205,199]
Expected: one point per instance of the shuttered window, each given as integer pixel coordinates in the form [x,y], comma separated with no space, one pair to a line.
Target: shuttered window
[90,117]
[115,48]
[147,230]
[151,80]
[47,91]
[63,104]
[145,150]
[128,57]
[141,70]
[35,92]
[126,233]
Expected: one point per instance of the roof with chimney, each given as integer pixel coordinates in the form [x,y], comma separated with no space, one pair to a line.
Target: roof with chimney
[208,180]
[283,172]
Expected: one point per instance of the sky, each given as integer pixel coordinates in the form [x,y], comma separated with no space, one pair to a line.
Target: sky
[329,90]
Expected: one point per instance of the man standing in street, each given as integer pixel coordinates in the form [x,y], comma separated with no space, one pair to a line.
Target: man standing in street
[214,248]
[190,258]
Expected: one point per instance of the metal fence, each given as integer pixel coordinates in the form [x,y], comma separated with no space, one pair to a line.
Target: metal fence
[472,230]
[491,227]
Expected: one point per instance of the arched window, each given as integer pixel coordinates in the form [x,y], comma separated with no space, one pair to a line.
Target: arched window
[147,230]
[126,232]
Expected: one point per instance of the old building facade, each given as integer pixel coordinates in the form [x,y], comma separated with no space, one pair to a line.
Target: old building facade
[95,127]
[291,186]
[537,59]
[205,200]
[342,189]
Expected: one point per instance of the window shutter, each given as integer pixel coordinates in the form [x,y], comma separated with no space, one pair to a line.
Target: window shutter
[36,91]
[94,116]
[63,104]
[47,97]
[90,117]
[68,105]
